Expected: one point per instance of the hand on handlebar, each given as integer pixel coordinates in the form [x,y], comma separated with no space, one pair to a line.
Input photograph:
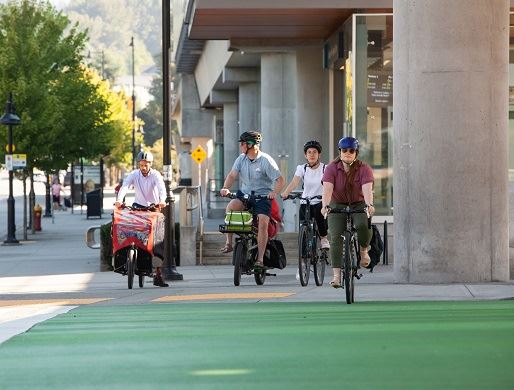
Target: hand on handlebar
[272,195]
[325,210]
[224,191]
[118,205]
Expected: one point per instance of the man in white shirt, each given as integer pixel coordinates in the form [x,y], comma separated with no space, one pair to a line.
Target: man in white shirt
[149,189]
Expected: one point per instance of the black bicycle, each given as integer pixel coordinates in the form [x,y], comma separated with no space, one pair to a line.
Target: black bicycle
[310,252]
[351,253]
[245,225]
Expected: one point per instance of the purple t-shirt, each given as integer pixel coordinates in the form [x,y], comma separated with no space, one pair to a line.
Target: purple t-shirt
[335,174]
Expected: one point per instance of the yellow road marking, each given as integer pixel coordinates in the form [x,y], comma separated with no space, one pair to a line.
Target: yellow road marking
[63,302]
[172,298]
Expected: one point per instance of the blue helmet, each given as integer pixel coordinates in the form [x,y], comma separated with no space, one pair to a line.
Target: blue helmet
[348,143]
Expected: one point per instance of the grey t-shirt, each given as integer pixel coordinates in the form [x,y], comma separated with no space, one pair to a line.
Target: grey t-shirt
[258,175]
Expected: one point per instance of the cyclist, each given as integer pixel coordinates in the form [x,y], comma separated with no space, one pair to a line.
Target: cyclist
[149,189]
[311,174]
[347,181]
[259,175]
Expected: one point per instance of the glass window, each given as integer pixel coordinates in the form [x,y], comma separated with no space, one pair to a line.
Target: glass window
[368,98]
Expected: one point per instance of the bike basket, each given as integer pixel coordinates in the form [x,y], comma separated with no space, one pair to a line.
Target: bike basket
[238,221]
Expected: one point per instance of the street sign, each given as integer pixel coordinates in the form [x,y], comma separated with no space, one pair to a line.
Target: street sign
[15,161]
[19,161]
[199,154]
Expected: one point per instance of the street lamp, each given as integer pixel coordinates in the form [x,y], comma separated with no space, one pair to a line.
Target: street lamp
[103,60]
[133,107]
[170,269]
[10,119]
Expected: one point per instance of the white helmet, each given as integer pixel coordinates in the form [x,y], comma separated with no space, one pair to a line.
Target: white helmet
[147,156]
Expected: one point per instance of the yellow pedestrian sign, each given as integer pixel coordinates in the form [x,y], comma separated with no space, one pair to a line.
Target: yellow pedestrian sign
[199,154]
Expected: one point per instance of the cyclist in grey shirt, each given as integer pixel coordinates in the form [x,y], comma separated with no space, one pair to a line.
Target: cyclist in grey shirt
[259,175]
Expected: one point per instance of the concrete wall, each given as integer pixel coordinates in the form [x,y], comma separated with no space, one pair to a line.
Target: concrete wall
[451,143]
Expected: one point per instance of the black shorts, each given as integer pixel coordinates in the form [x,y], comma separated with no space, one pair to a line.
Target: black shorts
[260,206]
[56,199]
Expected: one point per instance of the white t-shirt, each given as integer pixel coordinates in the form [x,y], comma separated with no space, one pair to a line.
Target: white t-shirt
[148,190]
[311,181]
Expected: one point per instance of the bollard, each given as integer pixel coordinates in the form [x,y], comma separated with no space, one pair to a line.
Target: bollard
[37,217]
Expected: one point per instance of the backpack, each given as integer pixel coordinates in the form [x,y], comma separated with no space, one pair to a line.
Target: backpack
[275,256]
[376,248]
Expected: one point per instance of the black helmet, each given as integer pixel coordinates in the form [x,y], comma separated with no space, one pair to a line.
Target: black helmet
[147,156]
[312,144]
[251,137]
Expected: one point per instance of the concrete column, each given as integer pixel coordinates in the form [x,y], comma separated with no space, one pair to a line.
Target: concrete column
[249,107]
[230,136]
[451,143]
[278,113]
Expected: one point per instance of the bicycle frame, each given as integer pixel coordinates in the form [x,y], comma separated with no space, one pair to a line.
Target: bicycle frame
[351,253]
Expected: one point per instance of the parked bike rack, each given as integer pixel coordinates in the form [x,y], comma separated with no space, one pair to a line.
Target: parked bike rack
[90,237]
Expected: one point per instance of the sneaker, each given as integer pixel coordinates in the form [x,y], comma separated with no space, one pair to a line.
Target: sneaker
[324,243]
[157,281]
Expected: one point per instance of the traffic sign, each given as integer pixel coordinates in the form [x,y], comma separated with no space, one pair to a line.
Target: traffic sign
[7,148]
[19,161]
[199,154]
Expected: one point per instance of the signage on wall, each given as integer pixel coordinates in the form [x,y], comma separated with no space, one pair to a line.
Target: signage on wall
[380,89]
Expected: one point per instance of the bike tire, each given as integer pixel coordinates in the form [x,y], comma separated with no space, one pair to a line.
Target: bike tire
[320,265]
[260,277]
[304,257]
[239,259]
[131,262]
[141,280]
[348,276]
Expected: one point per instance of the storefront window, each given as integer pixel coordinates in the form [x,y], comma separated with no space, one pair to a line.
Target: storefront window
[369,98]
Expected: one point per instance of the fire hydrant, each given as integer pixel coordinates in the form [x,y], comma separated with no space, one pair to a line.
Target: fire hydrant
[37,217]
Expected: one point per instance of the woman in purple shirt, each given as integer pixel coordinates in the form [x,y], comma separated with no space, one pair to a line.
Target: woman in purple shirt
[347,181]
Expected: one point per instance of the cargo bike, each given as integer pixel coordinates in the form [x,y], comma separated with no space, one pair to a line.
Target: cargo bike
[245,225]
[137,237]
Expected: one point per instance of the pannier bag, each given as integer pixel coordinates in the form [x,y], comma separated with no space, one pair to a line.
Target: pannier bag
[376,248]
[238,221]
[275,255]
[143,228]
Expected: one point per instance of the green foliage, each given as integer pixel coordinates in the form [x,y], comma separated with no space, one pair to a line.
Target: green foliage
[66,110]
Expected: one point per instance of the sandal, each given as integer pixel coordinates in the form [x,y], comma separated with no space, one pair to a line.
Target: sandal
[227,248]
[336,283]
[259,265]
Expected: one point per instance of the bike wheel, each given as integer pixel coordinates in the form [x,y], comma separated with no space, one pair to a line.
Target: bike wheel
[319,264]
[131,262]
[304,258]
[349,253]
[141,280]
[239,260]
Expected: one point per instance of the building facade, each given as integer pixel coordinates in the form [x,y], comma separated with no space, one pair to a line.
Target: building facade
[301,70]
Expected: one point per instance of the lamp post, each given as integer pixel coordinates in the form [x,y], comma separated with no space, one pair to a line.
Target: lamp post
[170,269]
[133,107]
[10,119]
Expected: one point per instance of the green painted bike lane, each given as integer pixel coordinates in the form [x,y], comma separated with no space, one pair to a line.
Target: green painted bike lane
[370,345]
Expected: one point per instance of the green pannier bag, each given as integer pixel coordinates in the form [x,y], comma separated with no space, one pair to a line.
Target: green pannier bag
[238,221]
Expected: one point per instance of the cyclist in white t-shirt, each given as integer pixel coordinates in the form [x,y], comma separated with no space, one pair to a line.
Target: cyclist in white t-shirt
[311,174]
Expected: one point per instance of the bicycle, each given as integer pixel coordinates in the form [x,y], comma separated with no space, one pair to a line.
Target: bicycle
[135,232]
[351,253]
[245,225]
[310,252]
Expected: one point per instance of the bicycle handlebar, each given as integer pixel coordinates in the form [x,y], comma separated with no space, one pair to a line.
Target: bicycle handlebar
[151,207]
[233,195]
[348,211]
[299,196]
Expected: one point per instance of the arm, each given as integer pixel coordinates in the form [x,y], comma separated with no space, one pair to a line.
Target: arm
[231,177]
[367,191]
[292,185]
[279,184]
[162,192]
[328,188]
[123,191]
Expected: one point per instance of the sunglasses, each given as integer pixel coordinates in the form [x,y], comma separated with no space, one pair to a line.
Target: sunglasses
[346,150]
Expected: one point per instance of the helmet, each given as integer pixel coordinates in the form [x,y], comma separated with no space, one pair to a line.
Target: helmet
[348,143]
[251,137]
[147,156]
[312,144]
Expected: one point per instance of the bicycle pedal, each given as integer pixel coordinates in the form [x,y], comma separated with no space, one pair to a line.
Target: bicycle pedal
[358,276]
[268,274]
